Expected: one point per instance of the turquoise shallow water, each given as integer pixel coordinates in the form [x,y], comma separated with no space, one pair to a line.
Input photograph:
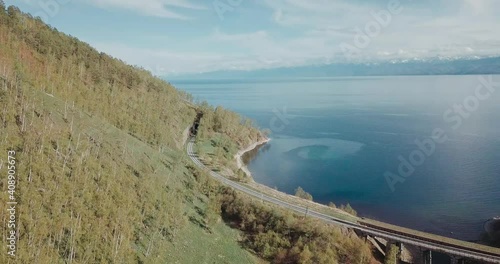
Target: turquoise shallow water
[337,138]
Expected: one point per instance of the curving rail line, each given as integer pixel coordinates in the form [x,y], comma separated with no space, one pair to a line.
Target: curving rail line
[394,235]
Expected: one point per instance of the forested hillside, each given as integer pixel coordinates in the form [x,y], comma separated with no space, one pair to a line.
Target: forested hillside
[102,175]
[36,55]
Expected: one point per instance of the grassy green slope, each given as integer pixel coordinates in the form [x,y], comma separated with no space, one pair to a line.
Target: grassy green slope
[101,177]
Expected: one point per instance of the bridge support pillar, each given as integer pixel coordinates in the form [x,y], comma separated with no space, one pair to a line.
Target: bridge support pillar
[457,260]
[454,260]
[427,257]
[401,248]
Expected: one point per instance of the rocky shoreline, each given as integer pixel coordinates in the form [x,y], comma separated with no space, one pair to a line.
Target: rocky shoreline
[492,226]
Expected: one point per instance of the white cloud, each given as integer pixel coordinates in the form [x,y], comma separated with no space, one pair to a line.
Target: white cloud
[279,33]
[165,62]
[478,7]
[320,26]
[314,13]
[456,28]
[274,51]
[158,8]
[301,32]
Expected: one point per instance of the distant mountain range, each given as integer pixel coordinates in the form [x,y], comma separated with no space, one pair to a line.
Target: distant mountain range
[437,66]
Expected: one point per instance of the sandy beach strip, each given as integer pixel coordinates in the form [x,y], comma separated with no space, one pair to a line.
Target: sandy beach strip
[239,155]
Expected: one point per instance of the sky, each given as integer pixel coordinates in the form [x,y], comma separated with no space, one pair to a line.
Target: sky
[171,37]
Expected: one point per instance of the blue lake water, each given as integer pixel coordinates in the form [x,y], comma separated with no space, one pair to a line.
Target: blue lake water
[337,138]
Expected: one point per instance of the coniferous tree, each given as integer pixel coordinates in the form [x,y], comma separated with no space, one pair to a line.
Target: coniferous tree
[3,13]
[391,256]
[299,192]
[13,11]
